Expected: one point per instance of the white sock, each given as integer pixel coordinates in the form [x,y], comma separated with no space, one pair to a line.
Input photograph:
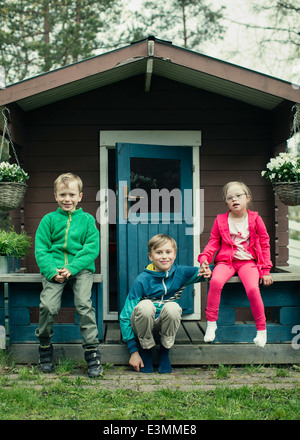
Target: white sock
[261,338]
[210,331]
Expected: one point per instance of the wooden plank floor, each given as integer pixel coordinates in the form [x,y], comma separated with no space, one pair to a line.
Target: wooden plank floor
[189,332]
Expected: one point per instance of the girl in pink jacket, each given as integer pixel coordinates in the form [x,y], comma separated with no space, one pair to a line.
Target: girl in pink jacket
[243,246]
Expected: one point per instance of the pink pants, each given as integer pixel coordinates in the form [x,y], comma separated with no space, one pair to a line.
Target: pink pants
[249,275]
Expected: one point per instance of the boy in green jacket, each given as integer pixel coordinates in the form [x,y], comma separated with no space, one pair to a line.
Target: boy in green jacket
[66,246]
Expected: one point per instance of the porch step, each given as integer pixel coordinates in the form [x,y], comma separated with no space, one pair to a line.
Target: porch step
[189,349]
[180,354]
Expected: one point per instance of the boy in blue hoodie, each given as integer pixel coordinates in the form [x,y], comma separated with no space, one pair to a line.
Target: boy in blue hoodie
[151,308]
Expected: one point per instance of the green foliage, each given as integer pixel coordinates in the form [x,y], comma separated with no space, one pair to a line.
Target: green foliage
[14,244]
[68,394]
[61,400]
[223,371]
[187,23]
[37,36]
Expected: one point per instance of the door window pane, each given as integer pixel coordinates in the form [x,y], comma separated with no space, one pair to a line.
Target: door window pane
[160,175]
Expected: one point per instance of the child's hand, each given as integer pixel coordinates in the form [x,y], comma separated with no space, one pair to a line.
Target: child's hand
[65,273]
[204,270]
[136,361]
[62,276]
[266,280]
[59,278]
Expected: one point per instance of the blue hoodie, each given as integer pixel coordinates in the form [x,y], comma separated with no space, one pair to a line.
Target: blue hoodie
[159,287]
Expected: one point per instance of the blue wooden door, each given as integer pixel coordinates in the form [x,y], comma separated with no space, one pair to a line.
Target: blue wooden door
[154,196]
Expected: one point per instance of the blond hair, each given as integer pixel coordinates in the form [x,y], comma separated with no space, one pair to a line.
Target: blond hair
[241,184]
[159,240]
[65,179]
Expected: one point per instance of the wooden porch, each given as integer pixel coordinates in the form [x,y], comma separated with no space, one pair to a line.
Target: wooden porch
[234,339]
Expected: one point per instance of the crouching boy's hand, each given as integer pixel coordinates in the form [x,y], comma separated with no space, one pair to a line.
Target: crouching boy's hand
[204,270]
[136,361]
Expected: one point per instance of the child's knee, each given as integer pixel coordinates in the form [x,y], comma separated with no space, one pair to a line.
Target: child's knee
[253,293]
[145,308]
[49,309]
[171,310]
[216,284]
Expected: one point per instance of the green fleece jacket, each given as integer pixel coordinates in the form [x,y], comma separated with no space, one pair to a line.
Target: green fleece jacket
[66,240]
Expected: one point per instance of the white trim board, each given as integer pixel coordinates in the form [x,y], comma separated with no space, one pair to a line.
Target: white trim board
[108,139]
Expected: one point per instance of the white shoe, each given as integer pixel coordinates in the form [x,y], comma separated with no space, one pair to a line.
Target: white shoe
[210,333]
[261,338]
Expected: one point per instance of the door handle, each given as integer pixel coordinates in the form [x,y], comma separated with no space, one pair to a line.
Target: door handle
[127,198]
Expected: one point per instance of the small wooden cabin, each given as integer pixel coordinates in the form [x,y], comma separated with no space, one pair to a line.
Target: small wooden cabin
[158,117]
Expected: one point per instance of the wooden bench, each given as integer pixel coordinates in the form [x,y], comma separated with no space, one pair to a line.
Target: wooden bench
[282,297]
[19,309]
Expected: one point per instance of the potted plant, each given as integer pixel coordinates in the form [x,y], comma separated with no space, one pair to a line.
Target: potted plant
[283,172]
[13,247]
[12,185]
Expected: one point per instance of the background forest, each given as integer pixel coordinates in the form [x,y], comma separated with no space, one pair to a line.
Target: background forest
[37,36]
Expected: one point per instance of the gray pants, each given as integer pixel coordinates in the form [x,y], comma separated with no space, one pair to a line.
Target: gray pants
[150,330]
[50,303]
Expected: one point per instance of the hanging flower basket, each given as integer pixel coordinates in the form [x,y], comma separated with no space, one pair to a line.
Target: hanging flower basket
[12,176]
[288,192]
[11,195]
[283,172]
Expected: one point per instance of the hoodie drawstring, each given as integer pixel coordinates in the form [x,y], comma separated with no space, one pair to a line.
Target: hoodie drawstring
[165,287]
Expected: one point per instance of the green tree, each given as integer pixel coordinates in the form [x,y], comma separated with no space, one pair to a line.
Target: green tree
[283,22]
[186,22]
[37,36]
[273,33]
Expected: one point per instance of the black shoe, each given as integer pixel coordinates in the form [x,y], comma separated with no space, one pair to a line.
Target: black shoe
[46,358]
[93,359]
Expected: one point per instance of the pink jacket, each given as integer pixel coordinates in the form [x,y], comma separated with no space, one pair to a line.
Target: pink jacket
[220,240]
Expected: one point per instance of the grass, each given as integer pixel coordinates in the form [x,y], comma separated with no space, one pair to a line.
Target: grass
[27,394]
[71,401]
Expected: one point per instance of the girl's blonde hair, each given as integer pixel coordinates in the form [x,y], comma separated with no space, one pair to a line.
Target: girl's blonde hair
[159,240]
[242,185]
[65,179]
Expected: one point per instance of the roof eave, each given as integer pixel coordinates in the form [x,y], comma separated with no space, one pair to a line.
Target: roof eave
[166,60]
[69,74]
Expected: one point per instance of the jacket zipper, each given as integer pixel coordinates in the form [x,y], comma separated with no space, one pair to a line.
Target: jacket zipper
[66,238]
[165,288]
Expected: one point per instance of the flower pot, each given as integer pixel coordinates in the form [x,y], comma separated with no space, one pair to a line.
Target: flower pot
[288,192]
[3,264]
[9,264]
[2,338]
[14,264]
[11,195]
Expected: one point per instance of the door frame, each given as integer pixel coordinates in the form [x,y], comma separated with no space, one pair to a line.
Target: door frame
[182,138]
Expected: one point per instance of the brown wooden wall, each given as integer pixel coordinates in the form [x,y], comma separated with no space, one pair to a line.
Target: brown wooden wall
[237,142]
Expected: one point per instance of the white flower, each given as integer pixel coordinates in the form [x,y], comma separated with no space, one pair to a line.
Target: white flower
[284,167]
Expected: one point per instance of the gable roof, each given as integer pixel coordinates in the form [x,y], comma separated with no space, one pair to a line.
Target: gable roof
[151,57]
